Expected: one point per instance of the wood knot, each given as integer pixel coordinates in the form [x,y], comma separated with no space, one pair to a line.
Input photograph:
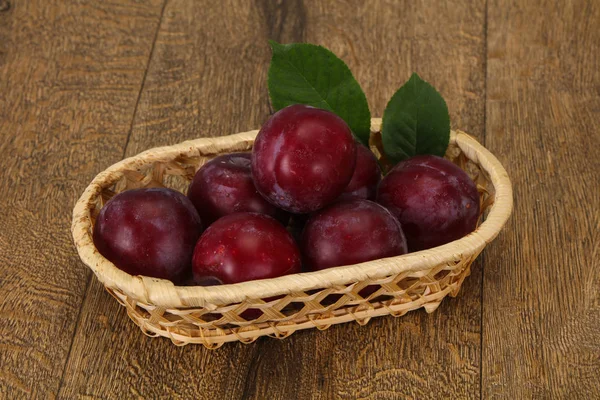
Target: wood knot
[4,5]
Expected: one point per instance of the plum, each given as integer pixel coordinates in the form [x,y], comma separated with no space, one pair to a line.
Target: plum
[149,232]
[366,177]
[435,201]
[224,186]
[351,232]
[303,158]
[245,246]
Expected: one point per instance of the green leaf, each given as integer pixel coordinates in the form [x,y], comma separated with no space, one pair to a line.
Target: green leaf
[415,121]
[302,73]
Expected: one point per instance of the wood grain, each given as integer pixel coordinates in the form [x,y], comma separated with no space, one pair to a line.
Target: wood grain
[207,77]
[419,354]
[83,83]
[542,278]
[200,86]
[70,74]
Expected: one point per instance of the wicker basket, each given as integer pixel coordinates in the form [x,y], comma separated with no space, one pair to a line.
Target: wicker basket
[216,314]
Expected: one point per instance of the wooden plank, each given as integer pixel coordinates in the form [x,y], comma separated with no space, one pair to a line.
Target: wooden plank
[199,85]
[70,74]
[207,77]
[542,278]
[418,355]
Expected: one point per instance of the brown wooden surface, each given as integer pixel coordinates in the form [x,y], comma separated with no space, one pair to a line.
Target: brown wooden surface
[541,300]
[70,75]
[83,83]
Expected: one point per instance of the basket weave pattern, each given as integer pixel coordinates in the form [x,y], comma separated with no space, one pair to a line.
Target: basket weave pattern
[280,306]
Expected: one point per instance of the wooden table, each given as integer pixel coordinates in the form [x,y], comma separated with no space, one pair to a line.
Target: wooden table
[85,83]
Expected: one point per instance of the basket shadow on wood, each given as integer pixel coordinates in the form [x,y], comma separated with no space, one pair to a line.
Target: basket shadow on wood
[215,315]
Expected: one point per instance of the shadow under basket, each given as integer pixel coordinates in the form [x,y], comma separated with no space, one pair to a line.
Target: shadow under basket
[278,307]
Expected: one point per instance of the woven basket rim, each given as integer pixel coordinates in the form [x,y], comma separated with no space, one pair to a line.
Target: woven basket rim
[163,293]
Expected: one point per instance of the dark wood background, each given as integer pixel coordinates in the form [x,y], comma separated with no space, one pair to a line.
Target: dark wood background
[85,83]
